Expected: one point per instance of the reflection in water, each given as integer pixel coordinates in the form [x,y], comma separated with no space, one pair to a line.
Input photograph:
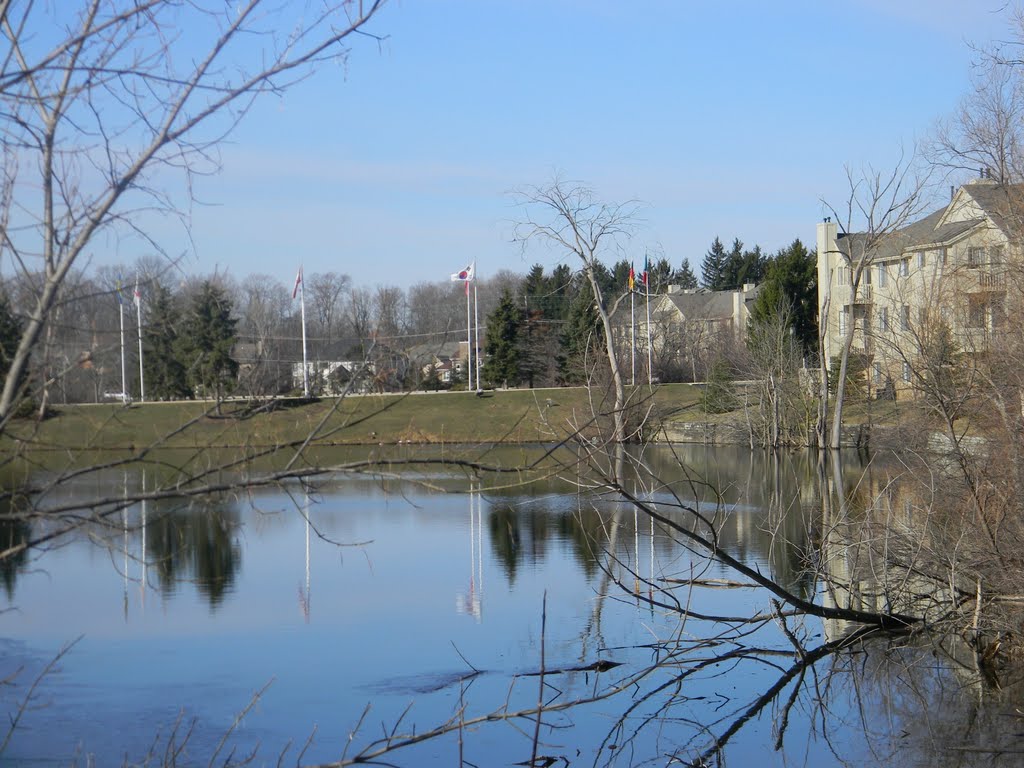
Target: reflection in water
[14,533]
[789,692]
[198,544]
[471,601]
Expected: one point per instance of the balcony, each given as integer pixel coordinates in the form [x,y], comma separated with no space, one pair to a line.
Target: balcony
[992,281]
[863,294]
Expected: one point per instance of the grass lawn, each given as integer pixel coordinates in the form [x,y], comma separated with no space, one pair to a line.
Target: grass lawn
[513,416]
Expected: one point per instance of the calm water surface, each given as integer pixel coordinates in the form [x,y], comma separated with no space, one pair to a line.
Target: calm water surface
[363,599]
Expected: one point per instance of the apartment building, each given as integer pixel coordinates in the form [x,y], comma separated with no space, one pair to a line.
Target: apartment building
[939,280]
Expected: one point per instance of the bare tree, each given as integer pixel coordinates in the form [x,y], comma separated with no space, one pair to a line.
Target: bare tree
[326,292]
[569,217]
[985,134]
[94,124]
[879,205]
[360,315]
[389,311]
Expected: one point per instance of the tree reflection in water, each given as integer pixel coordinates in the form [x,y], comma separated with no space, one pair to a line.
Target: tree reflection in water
[195,543]
[14,532]
[735,670]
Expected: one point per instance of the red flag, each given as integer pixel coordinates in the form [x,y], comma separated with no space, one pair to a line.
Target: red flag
[632,277]
[298,282]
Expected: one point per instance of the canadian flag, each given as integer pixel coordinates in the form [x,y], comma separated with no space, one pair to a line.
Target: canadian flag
[298,282]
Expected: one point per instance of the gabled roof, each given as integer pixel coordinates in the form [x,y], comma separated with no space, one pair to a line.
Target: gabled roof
[980,204]
[708,305]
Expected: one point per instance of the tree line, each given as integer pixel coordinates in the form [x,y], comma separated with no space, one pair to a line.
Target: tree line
[216,335]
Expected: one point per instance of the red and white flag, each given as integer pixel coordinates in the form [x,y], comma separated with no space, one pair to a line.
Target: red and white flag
[298,283]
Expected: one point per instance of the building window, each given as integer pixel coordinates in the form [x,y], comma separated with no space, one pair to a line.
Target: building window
[843,275]
[842,322]
[883,319]
[975,257]
[906,372]
[919,259]
[905,318]
[922,317]
[976,312]
[945,255]
[995,255]
[998,312]
[877,372]
[883,275]
[904,267]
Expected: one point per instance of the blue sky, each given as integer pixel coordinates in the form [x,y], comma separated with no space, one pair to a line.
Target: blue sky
[729,119]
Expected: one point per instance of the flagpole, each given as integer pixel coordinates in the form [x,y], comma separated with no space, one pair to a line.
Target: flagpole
[302,310]
[469,343]
[650,373]
[476,323]
[632,337]
[124,377]
[138,317]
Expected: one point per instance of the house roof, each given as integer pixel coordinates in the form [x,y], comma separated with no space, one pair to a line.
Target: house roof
[994,202]
[708,305]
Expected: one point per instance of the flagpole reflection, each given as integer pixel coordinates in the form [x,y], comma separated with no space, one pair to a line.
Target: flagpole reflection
[304,590]
[472,602]
[124,526]
[145,561]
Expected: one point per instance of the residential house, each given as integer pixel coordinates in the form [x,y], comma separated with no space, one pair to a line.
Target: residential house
[937,282]
[446,361]
[688,329]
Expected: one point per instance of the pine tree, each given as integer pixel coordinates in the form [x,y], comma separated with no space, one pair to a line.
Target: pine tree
[582,337]
[712,266]
[791,283]
[165,374]
[659,276]
[684,276]
[729,277]
[206,341]
[502,343]
[10,335]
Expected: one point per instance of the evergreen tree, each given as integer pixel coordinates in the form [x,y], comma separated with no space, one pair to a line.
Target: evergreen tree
[713,265]
[684,276]
[10,335]
[165,375]
[620,277]
[791,282]
[545,300]
[502,343]
[741,267]
[729,277]
[206,341]
[659,275]
[582,337]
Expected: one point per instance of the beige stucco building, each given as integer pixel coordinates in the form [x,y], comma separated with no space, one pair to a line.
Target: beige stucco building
[687,330]
[942,277]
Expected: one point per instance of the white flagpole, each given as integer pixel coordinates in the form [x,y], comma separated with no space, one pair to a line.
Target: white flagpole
[302,309]
[138,317]
[650,372]
[124,388]
[476,322]
[469,343]
[632,336]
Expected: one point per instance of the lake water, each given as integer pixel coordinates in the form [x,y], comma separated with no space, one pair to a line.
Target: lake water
[337,616]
